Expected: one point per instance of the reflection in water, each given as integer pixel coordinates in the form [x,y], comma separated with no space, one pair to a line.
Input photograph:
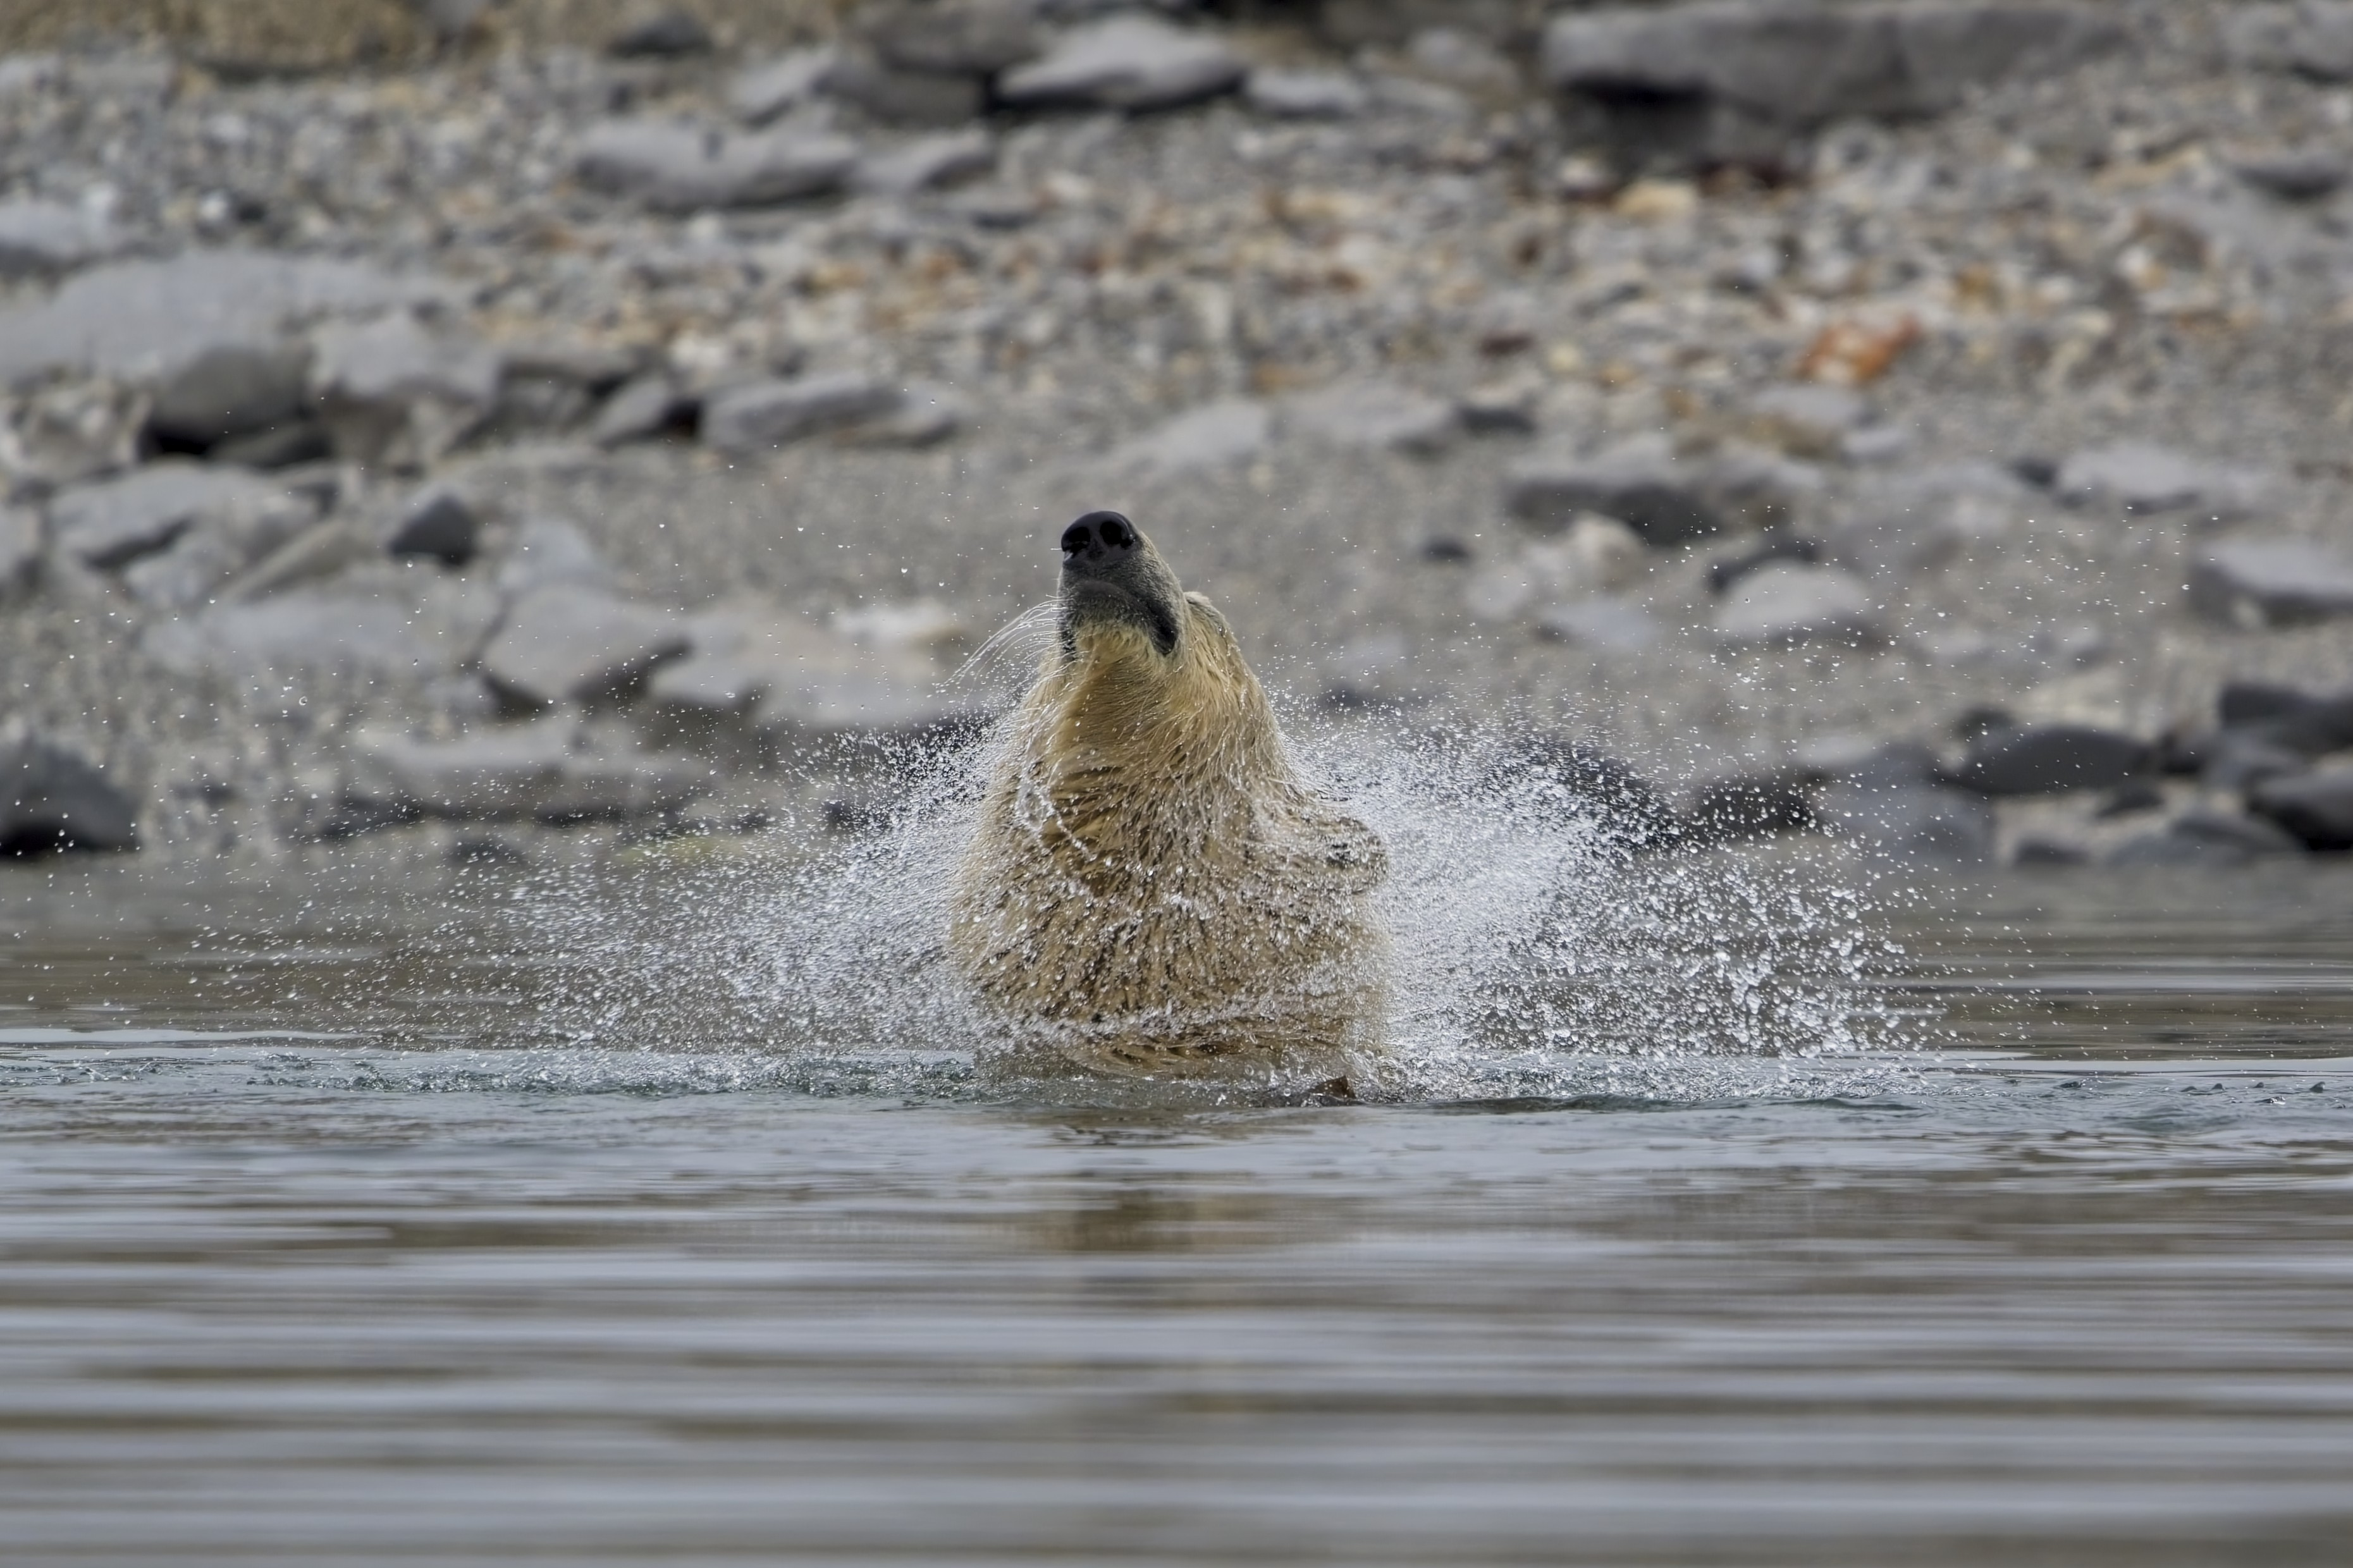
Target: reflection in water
[325,1242]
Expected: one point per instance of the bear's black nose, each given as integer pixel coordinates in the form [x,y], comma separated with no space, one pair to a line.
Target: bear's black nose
[1099,539]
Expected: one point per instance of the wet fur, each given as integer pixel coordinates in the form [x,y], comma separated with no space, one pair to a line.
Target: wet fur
[1150,889]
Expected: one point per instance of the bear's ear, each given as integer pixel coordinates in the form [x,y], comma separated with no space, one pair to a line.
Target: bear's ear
[1209,612]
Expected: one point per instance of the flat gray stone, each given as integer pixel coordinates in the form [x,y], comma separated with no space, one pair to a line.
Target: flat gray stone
[1917,522]
[230,390]
[762,415]
[1125,62]
[927,162]
[394,392]
[2258,582]
[1305,94]
[1783,604]
[52,798]
[2048,759]
[1608,624]
[141,319]
[1217,435]
[343,634]
[223,540]
[1666,499]
[2305,177]
[538,771]
[641,408]
[1379,415]
[762,92]
[548,550]
[924,414]
[572,642]
[111,523]
[20,548]
[954,37]
[795,681]
[2141,477]
[39,239]
[2315,808]
[903,97]
[678,168]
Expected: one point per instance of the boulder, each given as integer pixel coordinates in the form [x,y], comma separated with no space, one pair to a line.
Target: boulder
[1667,499]
[1305,94]
[395,394]
[573,642]
[1914,820]
[1727,79]
[1783,604]
[1216,435]
[2315,808]
[1380,416]
[927,162]
[437,520]
[38,238]
[370,639]
[2048,759]
[761,416]
[20,548]
[219,544]
[114,522]
[54,798]
[677,168]
[954,37]
[2141,477]
[1125,62]
[144,319]
[2258,582]
[540,770]
[230,390]
[2310,38]
[762,92]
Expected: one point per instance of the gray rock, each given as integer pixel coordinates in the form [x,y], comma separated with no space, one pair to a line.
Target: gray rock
[793,682]
[439,522]
[143,319]
[1305,94]
[2236,759]
[1216,435]
[367,638]
[393,393]
[1733,79]
[2141,477]
[1606,624]
[578,362]
[954,37]
[1912,820]
[1354,23]
[53,798]
[1748,805]
[761,416]
[550,550]
[221,542]
[1897,527]
[2047,758]
[2305,177]
[1724,572]
[904,96]
[679,168]
[287,446]
[230,390]
[2248,835]
[2258,582]
[112,523]
[923,414]
[2315,808]
[667,34]
[762,92]
[1782,605]
[926,162]
[642,408]
[1125,62]
[20,548]
[1377,414]
[1666,499]
[2303,721]
[320,550]
[1506,407]
[1809,417]
[571,642]
[40,238]
[1462,60]
[2314,38]
[538,771]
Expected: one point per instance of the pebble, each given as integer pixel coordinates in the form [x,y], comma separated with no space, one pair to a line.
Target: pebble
[2141,477]
[2307,177]
[1129,62]
[1605,623]
[672,167]
[1664,500]
[52,798]
[1782,604]
[2252,584]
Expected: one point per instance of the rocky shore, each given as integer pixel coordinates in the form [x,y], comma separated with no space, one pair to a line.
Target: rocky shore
[1926,423]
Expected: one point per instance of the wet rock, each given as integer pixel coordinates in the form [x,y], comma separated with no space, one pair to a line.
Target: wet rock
[40,238]
[2258,582]
[548,550]
[2048,759]
[439,522]
[1730,80]
[2296,176]
[1125,62]
[1783,604]
[143,319]
[1912,820]
[228,391]
[573,642]
[678,168]
[20,549]
[1216,435]
[220,543]
[393,393]
[1305,94]
[2306,722]
[2312,37]
[2141,477]
[2131,798]
[768,89]
[762,415]
[1667,500]
[954,37]
[1723,574]
[2315,808]
[927,162]
[2207,837]
[108,525]
[544,771]
[1378,415]
[368,637]
[665,35]
[1748,806]
[54,798]
[1628,810]
[1605,623]
[644,408]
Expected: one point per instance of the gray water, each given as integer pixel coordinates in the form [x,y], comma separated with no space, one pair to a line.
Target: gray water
[364,1210]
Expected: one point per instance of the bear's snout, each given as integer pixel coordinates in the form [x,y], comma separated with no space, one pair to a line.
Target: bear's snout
[1100,539]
